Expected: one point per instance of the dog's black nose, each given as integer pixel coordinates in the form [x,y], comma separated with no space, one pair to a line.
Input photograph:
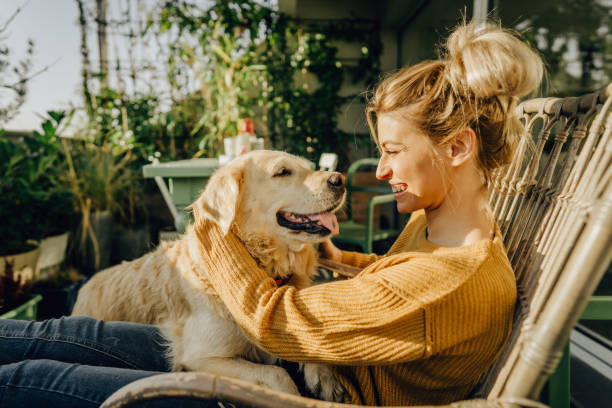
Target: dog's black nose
[336,181]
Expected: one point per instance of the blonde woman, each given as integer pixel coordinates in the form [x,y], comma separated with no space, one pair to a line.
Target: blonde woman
[421,324]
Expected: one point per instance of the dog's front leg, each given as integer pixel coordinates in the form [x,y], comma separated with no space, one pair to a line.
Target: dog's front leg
[269,376]
[321,381]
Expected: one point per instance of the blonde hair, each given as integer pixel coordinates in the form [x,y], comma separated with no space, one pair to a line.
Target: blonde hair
[476,84]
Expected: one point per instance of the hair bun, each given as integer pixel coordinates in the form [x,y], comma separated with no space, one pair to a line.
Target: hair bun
[487,61]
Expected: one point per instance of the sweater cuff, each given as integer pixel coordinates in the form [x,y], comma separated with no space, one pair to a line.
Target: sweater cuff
[357,259]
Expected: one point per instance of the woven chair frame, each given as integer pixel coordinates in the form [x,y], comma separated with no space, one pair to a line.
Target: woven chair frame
[553,205]
[542,203]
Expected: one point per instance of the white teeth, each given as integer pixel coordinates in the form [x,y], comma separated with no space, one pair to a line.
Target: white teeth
[398,189]
[296,217]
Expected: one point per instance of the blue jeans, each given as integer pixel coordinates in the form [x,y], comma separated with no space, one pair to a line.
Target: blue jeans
[78,362]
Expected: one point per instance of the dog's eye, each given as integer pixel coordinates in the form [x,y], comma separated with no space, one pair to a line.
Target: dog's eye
[282,172]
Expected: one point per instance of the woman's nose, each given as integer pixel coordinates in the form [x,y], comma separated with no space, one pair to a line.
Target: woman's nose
[383,171]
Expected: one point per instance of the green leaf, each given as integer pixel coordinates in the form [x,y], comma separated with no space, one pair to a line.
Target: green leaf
[57,116]
[48,128]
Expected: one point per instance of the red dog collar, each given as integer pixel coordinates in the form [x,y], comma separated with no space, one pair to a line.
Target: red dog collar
[282,281]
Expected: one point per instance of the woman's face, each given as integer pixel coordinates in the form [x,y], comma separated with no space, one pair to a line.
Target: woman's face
[408,163]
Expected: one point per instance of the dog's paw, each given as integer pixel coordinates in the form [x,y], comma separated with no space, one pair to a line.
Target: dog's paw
[278,379]
[321,381]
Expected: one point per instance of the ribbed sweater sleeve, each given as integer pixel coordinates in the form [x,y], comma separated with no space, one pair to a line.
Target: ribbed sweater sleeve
[361,321]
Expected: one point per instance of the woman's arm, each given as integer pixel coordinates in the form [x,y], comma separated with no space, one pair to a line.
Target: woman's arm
[357,321]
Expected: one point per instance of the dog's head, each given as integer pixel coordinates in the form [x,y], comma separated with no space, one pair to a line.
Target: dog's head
[273,194]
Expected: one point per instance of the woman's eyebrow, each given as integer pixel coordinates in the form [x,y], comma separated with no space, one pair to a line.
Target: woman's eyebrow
[391,142]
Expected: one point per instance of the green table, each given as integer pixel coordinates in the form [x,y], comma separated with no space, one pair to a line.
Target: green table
[186,180]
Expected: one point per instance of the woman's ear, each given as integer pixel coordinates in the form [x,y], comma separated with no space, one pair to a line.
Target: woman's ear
[462,148]
[220,200]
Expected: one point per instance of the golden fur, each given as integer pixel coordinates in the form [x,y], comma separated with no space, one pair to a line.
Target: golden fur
[168,287]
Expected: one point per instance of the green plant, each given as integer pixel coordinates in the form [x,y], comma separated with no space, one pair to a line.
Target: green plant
[231,60]
[97,176]
[35,199]
[252,61]
[19,211]
[57,202]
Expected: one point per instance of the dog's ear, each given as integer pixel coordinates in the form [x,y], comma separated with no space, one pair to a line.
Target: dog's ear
[220,200]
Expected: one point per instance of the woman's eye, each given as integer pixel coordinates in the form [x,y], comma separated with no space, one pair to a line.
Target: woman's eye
[282,172]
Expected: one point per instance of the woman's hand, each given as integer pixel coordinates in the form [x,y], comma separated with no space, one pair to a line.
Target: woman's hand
[329,251]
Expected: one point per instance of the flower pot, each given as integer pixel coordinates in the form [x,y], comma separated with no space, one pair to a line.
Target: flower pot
[130,243]
[52,254]
[24,263]
[27,311]
[94,257]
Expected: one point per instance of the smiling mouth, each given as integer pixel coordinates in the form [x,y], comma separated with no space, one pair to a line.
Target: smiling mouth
[323,223]
[399,188]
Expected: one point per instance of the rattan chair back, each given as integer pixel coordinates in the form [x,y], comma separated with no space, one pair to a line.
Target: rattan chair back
[557,182]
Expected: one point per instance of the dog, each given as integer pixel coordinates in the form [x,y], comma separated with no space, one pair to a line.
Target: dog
[279,208]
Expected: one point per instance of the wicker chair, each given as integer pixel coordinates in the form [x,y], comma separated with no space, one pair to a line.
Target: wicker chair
[554,208]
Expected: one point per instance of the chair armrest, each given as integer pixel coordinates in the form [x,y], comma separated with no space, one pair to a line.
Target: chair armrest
[205,386]
[339,267]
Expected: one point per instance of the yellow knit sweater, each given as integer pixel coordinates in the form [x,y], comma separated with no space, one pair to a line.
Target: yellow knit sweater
[417,326]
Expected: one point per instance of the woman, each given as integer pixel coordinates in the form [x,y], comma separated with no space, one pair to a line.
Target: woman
[421,324]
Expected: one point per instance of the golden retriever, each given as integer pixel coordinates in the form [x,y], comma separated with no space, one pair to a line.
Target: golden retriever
[278,207]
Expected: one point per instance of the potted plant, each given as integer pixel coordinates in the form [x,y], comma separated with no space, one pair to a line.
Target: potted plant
[23,188]
[96,175]
[57,202]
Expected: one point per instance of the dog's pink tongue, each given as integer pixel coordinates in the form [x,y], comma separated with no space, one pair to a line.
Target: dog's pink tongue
[328,220]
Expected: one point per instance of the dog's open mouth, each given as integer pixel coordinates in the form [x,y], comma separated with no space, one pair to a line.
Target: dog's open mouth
[322,223]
